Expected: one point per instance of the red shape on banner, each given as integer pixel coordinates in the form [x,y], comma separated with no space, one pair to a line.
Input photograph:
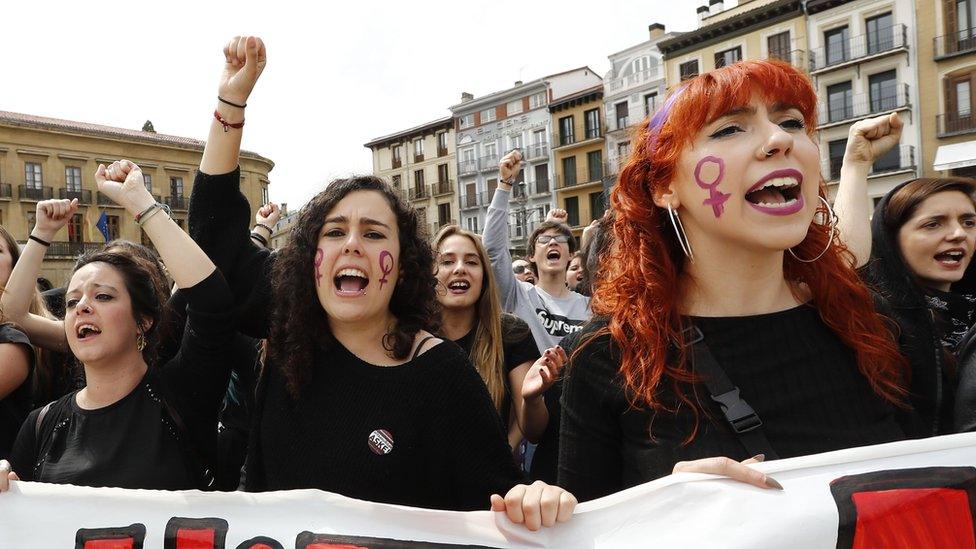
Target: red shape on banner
[919,517]
[195,539]
[127,543]
[334,546]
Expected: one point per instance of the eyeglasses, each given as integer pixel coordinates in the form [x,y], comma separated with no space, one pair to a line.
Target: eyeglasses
[546,238]
[520,269]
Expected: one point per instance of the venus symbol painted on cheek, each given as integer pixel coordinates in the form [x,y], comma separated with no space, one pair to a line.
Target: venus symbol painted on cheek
[319,255]
[708,174]
[386,266]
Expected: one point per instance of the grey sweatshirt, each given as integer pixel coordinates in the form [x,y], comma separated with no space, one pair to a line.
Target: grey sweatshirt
[549,318]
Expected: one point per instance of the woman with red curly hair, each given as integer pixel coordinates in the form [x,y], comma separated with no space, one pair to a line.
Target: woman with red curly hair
[725,260]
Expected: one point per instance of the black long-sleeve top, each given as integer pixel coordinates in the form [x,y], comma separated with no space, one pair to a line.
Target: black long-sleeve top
[135,442]
[796,374]
[448,446]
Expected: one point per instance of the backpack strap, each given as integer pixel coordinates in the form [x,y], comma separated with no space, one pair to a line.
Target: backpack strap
[421,346]
[40,420]
[203,474]
[743,420]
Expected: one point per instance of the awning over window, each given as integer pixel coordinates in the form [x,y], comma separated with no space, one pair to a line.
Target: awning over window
[957,155]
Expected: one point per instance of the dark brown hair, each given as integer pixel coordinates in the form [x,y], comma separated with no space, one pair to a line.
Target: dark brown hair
[545,226]
[299,323]
[903,202]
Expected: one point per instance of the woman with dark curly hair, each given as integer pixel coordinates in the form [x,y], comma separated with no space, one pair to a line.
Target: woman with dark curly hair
[356,396]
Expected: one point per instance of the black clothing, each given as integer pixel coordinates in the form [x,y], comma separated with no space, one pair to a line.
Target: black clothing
[798,376]
[933,387]
[422,434]
[965,414]
[518,346]
[954,315]
[17,404]
[135,442]
[54,301]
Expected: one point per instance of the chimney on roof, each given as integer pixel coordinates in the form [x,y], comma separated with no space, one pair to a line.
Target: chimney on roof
[148,127]
[702,14]
[518,83]
[465,97]
[715,7]
[656,30]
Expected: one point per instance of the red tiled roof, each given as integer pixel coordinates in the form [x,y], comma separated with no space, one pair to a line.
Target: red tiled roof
[87,128]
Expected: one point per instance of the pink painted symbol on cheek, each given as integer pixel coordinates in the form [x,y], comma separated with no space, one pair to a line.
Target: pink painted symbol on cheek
[386,266]
[319,256]
[714,168]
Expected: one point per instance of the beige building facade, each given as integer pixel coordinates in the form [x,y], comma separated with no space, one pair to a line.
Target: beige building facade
[43,158]
[420,163]
[947,80]
[754,29]
[578,149]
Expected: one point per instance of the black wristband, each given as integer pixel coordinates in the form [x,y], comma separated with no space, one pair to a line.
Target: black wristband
[256,225]
[44,243]
[259,238]
[226,102]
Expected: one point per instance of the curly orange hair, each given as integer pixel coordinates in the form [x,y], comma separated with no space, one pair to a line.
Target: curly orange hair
[638,290]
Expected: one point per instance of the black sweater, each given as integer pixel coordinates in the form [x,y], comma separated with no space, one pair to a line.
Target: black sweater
[136,442]
[423,433]
[801,380]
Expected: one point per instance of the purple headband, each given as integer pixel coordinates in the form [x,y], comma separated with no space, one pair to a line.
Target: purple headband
[661,115]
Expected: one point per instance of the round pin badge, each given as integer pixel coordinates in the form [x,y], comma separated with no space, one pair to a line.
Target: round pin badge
[381,442]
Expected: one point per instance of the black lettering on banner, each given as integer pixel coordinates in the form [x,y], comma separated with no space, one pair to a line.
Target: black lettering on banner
[260,542]
[308,540]
[558,325]
[125,537]
[195,533]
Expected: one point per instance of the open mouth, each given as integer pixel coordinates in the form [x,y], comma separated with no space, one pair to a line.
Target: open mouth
[950,258]
[459,286]
[87,331]
[553,255]
[775,193]
[350,282]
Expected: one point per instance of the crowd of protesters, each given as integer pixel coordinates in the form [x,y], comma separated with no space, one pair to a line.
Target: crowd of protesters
[373,360]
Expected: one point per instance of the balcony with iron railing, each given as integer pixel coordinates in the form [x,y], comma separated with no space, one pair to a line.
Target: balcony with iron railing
[957,43]
[489,163]
[621,83]
[582,176]
[467,167]
[536,187]
[438,225]
[859,48]
[536,151]
[177,202]
[418,193]
[84,196]
[396,162]
[6,191]
[441,151]
[103,200]
[418,158]
[617,123]
[441,188]
[950,124]
[70,249]
[576,138]
[863,105]
[902,159]
[475,200]
[797,58]
[35,194]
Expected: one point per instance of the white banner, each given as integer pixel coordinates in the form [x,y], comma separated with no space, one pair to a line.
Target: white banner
[919,493]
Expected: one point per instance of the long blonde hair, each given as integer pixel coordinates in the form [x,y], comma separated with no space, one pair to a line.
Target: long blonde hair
[487,351]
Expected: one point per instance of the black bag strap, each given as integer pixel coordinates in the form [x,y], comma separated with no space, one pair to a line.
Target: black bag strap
[743,420]
[204,474]
[40,420]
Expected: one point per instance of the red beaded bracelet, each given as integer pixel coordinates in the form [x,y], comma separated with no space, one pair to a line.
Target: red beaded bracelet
[226,124]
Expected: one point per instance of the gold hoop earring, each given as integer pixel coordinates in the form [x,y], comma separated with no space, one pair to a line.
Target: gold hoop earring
[833,233]
[141,341]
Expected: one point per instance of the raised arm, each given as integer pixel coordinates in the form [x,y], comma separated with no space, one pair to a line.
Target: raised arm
[495,235]
[123,183]
[15,302]
[867,141]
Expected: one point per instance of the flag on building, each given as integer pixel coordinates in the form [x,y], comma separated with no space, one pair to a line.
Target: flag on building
[103,226]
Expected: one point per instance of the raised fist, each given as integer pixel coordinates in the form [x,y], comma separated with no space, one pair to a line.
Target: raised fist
[123,183]
[244,60]
[52,215]
[268,215]
[869,139]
